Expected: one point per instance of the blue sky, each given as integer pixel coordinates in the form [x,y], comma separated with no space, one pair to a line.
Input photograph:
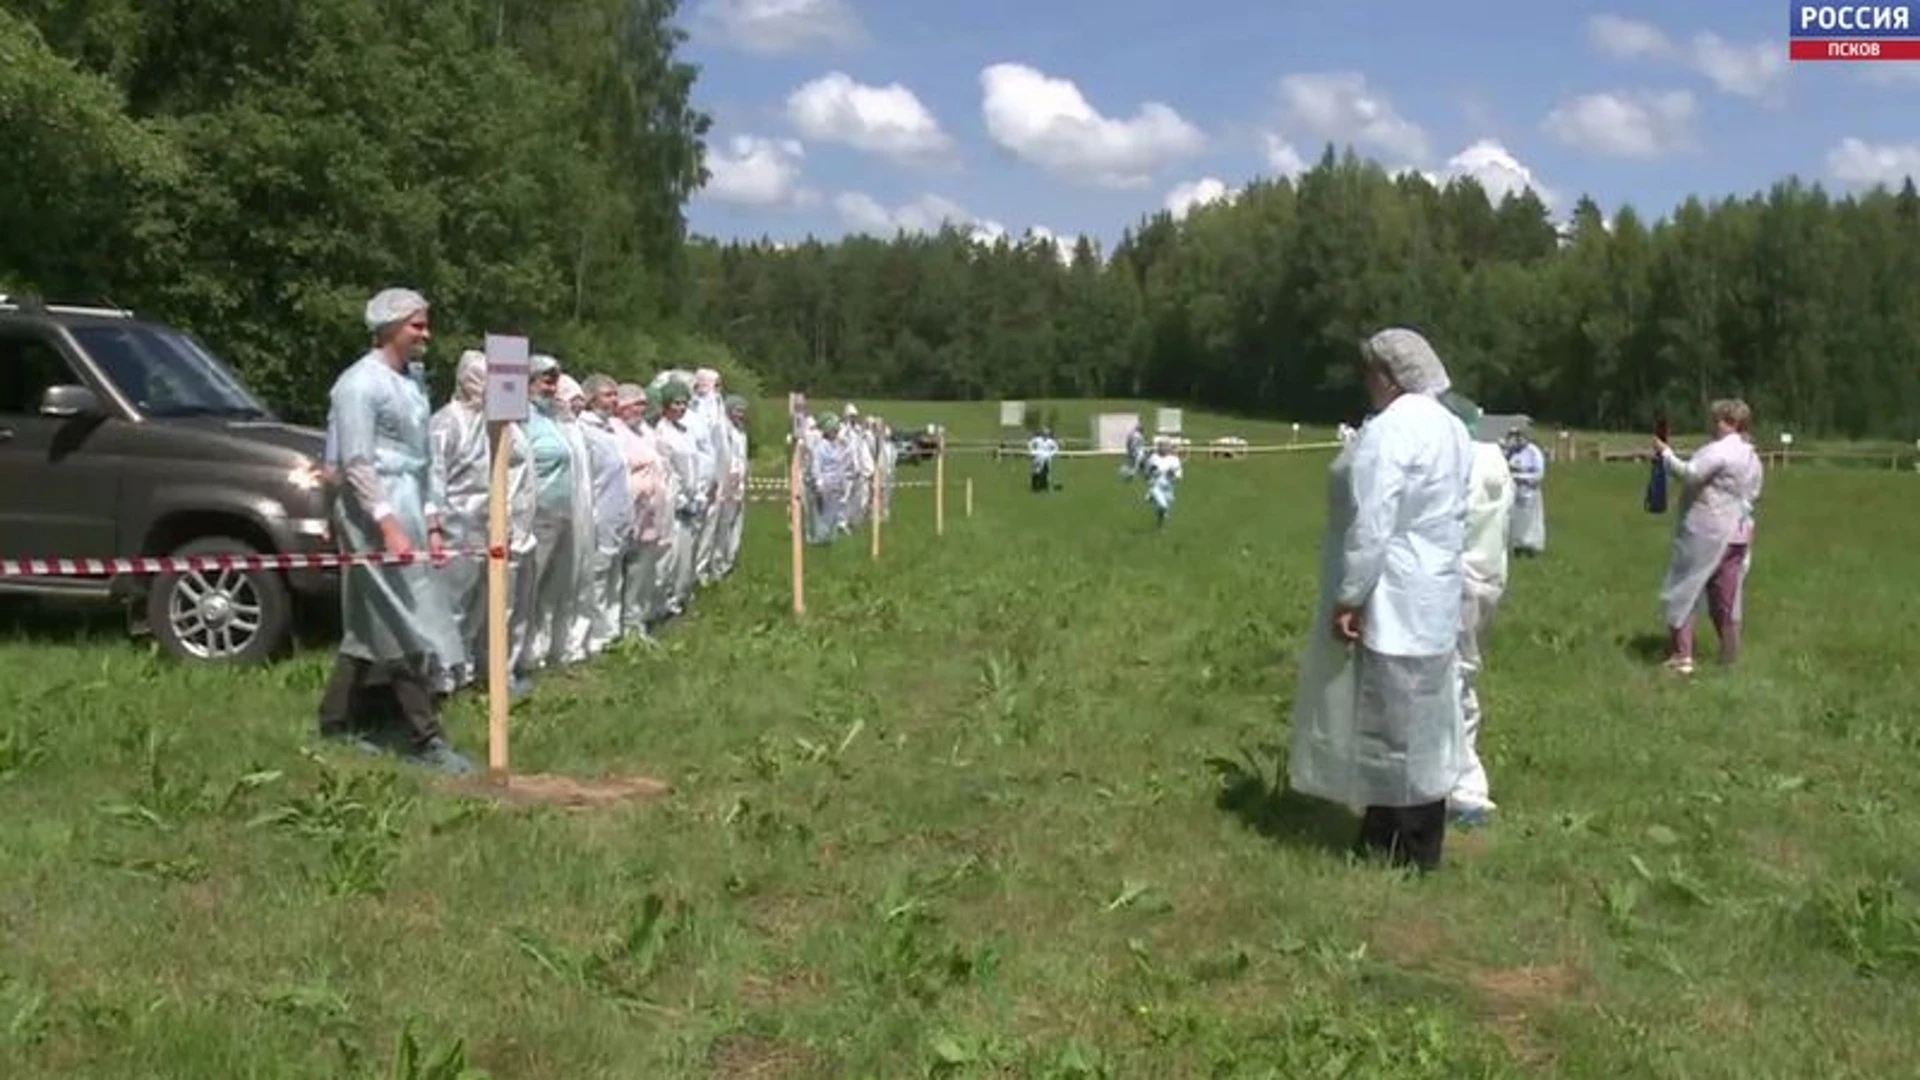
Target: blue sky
[1074,117]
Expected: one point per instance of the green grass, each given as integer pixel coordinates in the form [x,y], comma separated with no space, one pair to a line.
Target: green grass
[1001,805]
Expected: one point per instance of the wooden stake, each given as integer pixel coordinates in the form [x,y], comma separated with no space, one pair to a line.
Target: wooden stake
[873,492]
[940,487]
[498,676]
[796,523]
[969,496]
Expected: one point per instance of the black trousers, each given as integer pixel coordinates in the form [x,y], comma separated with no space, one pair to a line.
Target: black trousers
[1043,477]
[363,696]
[1406,835]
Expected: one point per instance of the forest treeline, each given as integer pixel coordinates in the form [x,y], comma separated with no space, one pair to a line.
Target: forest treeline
[254,169]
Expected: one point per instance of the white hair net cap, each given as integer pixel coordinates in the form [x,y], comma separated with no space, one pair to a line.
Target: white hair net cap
[1407,358]
[706,378]
[568,390]
[393,305]
[541,363]
[630,394]
[470,379]
[597,383]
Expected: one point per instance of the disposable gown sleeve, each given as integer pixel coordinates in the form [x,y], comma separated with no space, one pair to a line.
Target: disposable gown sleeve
[353,419]
[1378,483]
[1694,473]
[443,435]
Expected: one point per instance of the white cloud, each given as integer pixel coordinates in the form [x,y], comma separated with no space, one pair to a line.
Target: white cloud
[925,214]
[1497,171]
[782,26]
[886,120]
[1062,245]
[1047,122]
[1755,69]
[1185,196]
[1282,158]
[754,171]
[1341,107]
[1857,163]
[1639,124]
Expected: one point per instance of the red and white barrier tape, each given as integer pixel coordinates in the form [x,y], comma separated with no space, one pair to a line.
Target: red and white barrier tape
[185,564]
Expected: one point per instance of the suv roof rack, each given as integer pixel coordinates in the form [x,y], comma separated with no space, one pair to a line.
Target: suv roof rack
[35,305]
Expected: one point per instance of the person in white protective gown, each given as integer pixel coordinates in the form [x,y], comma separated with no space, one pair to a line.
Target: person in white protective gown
[1528,463]
[675,436]
[889,470]
[1484,580]
[1135,459]
[1041,450]
[556,484]
[707,419]
[652,511]
[827,475]
[568,645]
[463,464]
[733,488]
[395,624]
[1713,535]
[863,459]
[1376,714]
[1163,471]
[598,625]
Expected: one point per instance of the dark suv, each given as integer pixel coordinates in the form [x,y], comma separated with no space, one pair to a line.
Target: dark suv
[122,437]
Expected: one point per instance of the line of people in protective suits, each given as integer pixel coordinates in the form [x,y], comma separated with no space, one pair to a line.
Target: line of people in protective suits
[621,499]
[839,461]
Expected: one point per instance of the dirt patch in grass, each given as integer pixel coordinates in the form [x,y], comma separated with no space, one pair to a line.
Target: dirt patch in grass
[760,1057]
[1514,997]
[578,793]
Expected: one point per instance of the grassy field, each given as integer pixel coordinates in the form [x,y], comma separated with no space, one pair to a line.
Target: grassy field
[1003,806]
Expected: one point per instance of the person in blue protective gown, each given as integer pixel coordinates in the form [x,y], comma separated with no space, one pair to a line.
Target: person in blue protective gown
[396,629]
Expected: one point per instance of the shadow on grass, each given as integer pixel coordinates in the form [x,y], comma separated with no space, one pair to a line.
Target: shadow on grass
[1259,797]
[1650,648]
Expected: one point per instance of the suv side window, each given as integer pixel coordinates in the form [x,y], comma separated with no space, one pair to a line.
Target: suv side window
[29,364]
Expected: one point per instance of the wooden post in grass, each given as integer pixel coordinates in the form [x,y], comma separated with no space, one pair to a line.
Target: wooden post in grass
[508,401]
[969,496]
[940,483]
[796,520]
[874,488]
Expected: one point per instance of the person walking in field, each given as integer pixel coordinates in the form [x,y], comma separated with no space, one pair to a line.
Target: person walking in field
[1163,471]
[1528,463]
[1483,569]
[1376,714]
[1041,449]
[1713,536]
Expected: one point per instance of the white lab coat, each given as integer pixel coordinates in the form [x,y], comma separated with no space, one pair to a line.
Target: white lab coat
[1484,577]
[1718,490]
[597,623]
[1529,529]
[733,502]
[1378,724]
[676,572]
[707,418]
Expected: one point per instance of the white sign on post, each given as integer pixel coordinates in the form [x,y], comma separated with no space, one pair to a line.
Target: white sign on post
[1167,422]
[509,360]
[1013,413]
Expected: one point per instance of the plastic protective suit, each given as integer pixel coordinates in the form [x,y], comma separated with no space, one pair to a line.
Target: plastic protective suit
[1042,450]
[1377,723]
[1719,489]
[1163,471]
[733,489]
[1484,582]
[556,587]
[889,472]
[707,419]
[678,446]
[1529,467]
[652,535]
[862,461]
[827,475]
[1136,454]
[389,614]
[599,624]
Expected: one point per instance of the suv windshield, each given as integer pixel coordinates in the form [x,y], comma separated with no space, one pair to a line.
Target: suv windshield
[167,373]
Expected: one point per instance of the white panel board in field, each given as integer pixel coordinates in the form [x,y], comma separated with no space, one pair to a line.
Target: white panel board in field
[1110,430]
[1013,414]
[1167,422]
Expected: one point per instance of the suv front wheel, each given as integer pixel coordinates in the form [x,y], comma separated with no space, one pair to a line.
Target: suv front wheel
[228,615]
